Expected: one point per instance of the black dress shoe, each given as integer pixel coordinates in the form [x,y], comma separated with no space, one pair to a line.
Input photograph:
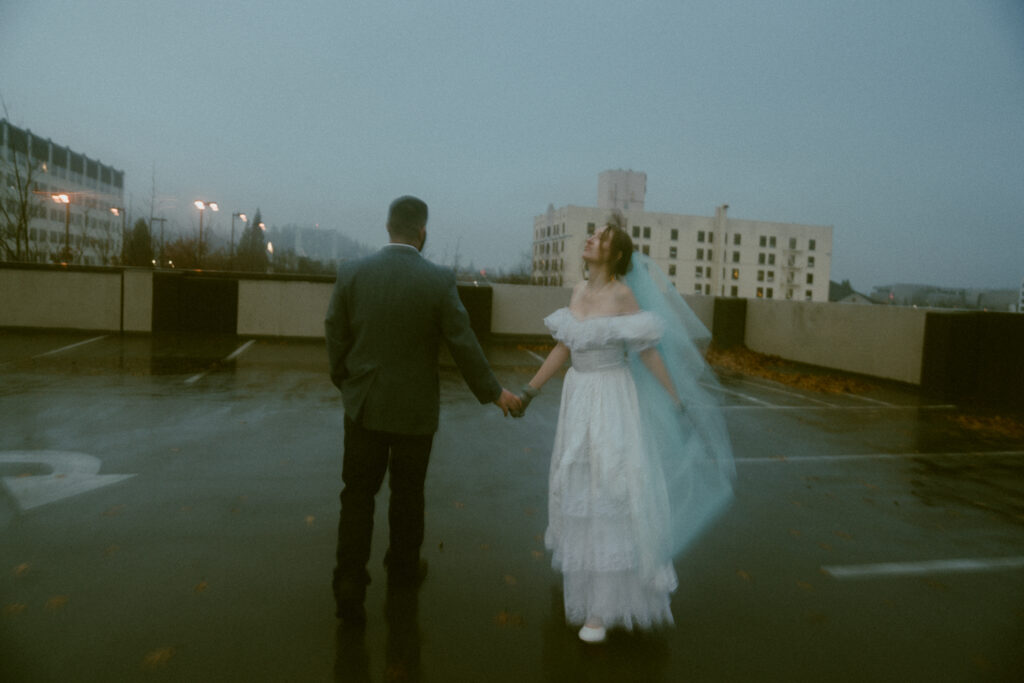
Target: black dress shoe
[351,612]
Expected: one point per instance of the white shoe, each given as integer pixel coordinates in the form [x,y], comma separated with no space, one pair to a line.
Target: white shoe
[592,634]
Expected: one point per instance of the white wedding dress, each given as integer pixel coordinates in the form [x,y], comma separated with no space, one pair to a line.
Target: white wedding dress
[607,508]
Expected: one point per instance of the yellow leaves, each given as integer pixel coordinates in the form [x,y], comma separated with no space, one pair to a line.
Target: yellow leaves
[158,658]
[111,550]
[55,603]
[803,585]
[785,372]
[509,580]
[14,609]
[310,519]
[22,570]
[796,533]
[506,619]
[537,555]
[459,506]
[201,587]
[114,511]
[745,575]
[995,425]
[843,535]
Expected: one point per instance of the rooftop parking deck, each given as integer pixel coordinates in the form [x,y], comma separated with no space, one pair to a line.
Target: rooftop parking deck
[169,503]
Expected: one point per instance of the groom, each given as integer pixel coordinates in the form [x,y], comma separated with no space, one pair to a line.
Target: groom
[388,315]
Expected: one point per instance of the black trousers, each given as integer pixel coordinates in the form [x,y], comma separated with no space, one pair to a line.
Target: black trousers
[368,455]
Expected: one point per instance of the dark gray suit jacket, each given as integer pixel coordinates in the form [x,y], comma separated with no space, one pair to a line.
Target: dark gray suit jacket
[388,315]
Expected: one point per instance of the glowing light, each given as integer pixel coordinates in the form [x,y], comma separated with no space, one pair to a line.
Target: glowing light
[199,204]
[61,198]
[270,248]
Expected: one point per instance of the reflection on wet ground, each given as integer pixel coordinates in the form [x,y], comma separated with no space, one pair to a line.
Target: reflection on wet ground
[213,561]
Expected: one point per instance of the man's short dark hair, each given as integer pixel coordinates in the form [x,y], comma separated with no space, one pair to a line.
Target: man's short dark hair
[406,216]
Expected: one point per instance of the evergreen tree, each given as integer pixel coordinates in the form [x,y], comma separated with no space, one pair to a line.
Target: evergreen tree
[138,249]
[252,249]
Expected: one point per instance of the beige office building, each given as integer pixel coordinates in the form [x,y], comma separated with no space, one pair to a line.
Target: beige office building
[715,256]
[85,222]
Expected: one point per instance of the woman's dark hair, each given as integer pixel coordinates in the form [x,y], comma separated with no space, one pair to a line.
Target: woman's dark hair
[620,246]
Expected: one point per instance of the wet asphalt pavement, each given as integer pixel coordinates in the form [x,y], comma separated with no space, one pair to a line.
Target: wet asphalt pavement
[168,509]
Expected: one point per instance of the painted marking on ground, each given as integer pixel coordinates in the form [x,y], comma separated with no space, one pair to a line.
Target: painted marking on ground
[72,473]
[868,399]
[839,408]
[231,356]
[798,459]
[535,355]
[730,392]
[802,397]
[889,569]
[70,346]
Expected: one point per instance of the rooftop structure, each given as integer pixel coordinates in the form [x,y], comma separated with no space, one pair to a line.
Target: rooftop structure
[715,256]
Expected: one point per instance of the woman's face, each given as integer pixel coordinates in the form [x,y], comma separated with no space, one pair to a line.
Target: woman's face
[597,248]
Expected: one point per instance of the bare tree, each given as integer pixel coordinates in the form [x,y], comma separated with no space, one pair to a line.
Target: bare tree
[18,206]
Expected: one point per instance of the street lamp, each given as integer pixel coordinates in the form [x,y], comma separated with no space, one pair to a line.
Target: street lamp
[202,206]
[66,201]
[233,217]
[120,211]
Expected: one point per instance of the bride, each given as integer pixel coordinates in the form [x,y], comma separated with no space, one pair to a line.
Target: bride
[641,459]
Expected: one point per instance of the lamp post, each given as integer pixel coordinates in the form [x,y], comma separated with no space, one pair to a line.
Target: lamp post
[233,217]
[202,206]
[66,201]
[160,256]
[120,211]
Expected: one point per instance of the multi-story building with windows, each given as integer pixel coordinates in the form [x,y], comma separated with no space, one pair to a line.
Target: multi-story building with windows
[716,256]
[76,204]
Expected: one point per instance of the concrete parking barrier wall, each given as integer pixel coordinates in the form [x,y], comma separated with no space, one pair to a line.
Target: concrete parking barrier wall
[961,356]
[292,308]
[880,341]
[519,310]
[57,297]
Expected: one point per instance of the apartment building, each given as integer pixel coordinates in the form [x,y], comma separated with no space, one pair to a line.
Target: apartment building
[76,203]
[712,255]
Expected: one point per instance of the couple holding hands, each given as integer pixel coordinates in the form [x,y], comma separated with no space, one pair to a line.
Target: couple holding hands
[641,459]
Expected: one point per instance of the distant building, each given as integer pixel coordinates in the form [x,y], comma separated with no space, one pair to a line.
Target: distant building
[1020,298]
[92,189]
[314,243]
[717,255]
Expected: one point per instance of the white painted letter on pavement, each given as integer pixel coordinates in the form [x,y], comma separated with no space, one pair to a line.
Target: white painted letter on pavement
[72,474]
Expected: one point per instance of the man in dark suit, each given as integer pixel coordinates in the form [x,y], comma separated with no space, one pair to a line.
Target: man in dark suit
[388,315]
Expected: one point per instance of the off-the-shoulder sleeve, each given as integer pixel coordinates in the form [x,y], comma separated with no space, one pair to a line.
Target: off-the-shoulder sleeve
[558,323]
[641,330]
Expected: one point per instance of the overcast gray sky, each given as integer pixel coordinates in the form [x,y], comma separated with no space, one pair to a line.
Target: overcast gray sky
[898,122]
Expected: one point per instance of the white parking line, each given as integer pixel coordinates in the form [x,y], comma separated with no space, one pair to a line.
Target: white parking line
[945,406]
[240,350]
[70,346]
[869,400]
[231,356]
[798,459]
[730,392]
[871,571]
[802,397]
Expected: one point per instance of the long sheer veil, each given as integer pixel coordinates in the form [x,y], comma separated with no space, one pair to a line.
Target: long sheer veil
[691,446]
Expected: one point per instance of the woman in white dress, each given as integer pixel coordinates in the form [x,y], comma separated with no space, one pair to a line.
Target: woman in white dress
[610,516]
